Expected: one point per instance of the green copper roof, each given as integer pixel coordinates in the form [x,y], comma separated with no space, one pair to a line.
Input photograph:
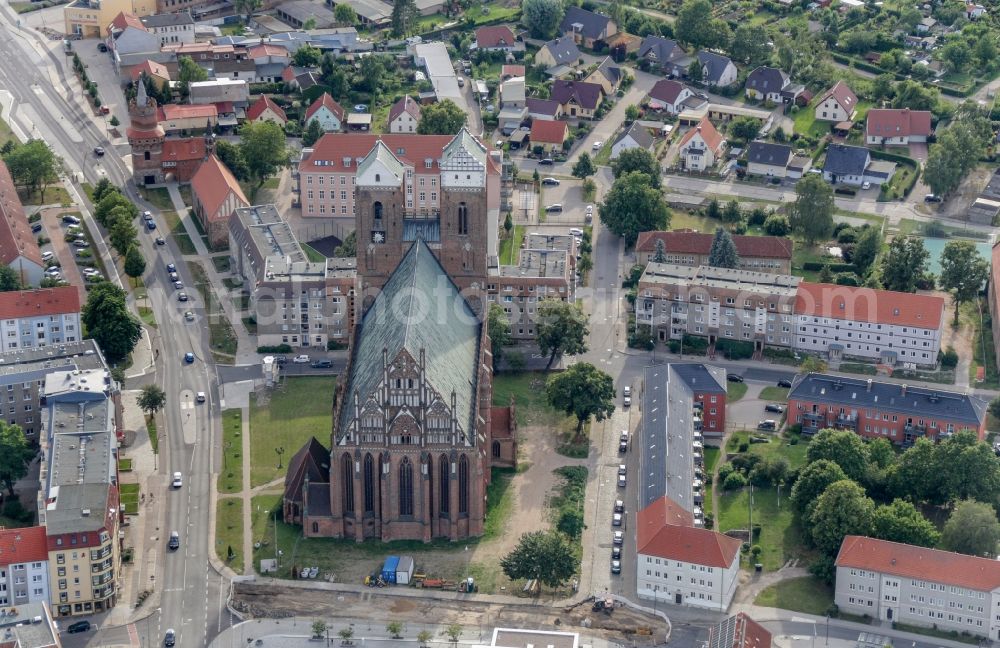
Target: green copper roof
[382,154]
[465,141]
[420,308]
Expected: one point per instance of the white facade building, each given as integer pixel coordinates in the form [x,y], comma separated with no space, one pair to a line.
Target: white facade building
[38,318]
[902,583]
[24,566]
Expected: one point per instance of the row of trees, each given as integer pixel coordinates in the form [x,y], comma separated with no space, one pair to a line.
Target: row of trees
[635,202]
[958,149]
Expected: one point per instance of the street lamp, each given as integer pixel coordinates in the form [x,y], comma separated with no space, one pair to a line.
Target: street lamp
[280,450]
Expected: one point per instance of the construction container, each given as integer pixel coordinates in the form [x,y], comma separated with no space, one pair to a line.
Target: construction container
[389,569]
[404,570]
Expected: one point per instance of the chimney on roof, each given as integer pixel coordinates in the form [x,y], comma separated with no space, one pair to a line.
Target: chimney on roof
[904,391]
[869,385]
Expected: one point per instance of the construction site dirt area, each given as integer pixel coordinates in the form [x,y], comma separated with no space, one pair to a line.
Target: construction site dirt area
[380,606]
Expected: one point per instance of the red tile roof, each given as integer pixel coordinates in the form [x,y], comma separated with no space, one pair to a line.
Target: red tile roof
[494,36]
[327,101]
[712,138]
[666,90]
[212,183]
[739,631]
[224,107]
[151,68]
[511,71]
[770,247]
[183,149]
[258,107]
[898,122]
[41,301]
[909,561]
[187,111]
[844,96]
[664,530]
[331,149]
[267,49]
[16,238]
[123,20]
[406,104]
[869,305]
[288,74]
[544,131]
[23,545]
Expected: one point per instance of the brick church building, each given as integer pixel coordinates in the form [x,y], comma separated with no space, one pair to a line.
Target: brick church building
[155,157]
[415,432]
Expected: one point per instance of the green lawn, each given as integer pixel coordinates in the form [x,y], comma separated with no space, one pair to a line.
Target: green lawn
[302,407]
[802,253]
[501,500]
[221,263]
[221,335]
[229,531]
[511,245]
[312,253]
[736,391]
[772,393]
[147,316]
[54,195]
[154,438]
[603,157]
[806,124]
[984,352]
[528,390]
[231,477]
[807,594]
[158,197]
[125,465]
[684,220]
[129,494]
[6,134]
[779,538]
[184,243]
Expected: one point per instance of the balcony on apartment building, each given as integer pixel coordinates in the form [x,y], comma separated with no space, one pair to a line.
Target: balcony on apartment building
[912,432]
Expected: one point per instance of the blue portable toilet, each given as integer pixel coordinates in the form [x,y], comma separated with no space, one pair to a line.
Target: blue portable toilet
[389,569]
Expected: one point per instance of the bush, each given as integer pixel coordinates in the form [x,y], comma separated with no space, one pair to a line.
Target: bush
[844,191]
[816,266]
[847,235]
[949,359]
[14,510]
[776,225]
[727,469]
[846,279]
[735,349]
[335,345]
[280,348]
[641,337]
[935,229]
[734,481]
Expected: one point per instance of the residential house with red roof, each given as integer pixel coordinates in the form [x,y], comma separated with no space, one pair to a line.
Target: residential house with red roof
[216,194]
[577,98]
[758,253]
[126,38]
[156,71]
[18,245]
[182,118]
[838,104]
[497,38]
[24,566]
[876,325]
[873,409]
[550,135]
[40,317]
[327,175]
[327,112]
[739,631]
[701,147]
[683,564]
[897,126]
[404,115]
[264,109]
[901,583]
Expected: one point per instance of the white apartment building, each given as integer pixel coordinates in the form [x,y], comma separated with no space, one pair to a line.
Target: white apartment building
[171,28]
[24,566]
[880,325]
[681,564]
[903,583]
[38,318]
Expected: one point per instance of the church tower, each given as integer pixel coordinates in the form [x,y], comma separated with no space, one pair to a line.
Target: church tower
[145,136]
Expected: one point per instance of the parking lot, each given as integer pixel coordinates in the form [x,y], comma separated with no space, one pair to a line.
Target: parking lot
[569,194]
[67,253]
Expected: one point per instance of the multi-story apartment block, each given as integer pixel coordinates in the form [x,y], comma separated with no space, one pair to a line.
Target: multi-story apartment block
[328,173]
[29,625]
[171,27]
[900,413]
[895,582]
[678,561]
[717,303]
[24,566]
[22,379]
[882,325]
[41,317]
[546,269]
[295,301]
[757,253]
[78,501]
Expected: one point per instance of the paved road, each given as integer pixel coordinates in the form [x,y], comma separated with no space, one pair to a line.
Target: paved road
[192,594]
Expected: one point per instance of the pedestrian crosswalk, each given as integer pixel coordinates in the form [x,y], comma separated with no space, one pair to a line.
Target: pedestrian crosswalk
[186,405]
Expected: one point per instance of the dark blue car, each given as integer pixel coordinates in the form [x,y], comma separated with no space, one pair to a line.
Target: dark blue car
[188,357]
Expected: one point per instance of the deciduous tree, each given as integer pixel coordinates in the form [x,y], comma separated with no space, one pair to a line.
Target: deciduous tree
[151,399]
[744,128]
[582,391]
[109,322]
[135,263]
[247,8]
[811,215]
[543,555]
[584,167]
[14,455]
[308,55]
[542,16]
[749,44]
[561,328]
[901,522]
[866,249]
[637,159]
[262,145]
[122,235]
[633,206]
[842,447]
[843,509]
[723,253]
[972,529]
[498,327]
[696,26]
[9,279]
[33,165]
[314,130]
[404,16]
[230,155]
[812,481]
[904,264]
[963,272]
[345,15]
[441,118]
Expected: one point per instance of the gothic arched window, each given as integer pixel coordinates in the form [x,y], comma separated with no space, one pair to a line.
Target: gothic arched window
[496,449]
[347,492]
[376,208]
[463,219]
[463,486]
[406,487]
[444,498]
[369,477]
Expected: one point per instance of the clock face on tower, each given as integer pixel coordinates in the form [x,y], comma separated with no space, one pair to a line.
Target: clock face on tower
[378,236]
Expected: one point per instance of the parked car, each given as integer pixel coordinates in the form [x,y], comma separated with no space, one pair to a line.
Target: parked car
[79,626]
[932,198]
[597,145]
[175,541]
[616,553]
[151,225]
[281,359]
[171,267]
[627,390]
[616,519]
[619,506]
[178,285]
[70,219]
[189,316]
[627,401]
[734,377]
[554,208]
[546,162]
[616,566]
[81,243]
[618,538]
[767,424]
[174,276]
[784,383]
[774,407]
[147,215]
[182,296]
[866,185]
[360,108]
[178,480]
[47,255]
[36,228]
[321,364]
[575,231]
[622,447]
[550,181]
[301,359]
[621,481]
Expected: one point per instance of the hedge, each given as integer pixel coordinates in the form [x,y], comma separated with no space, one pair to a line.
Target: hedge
[280,348]
[734,349]
[816,266]
[843,191]
[893,157]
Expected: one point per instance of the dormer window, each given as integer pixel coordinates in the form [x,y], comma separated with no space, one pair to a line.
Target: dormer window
[428,163]
[347,162]
[378,178]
